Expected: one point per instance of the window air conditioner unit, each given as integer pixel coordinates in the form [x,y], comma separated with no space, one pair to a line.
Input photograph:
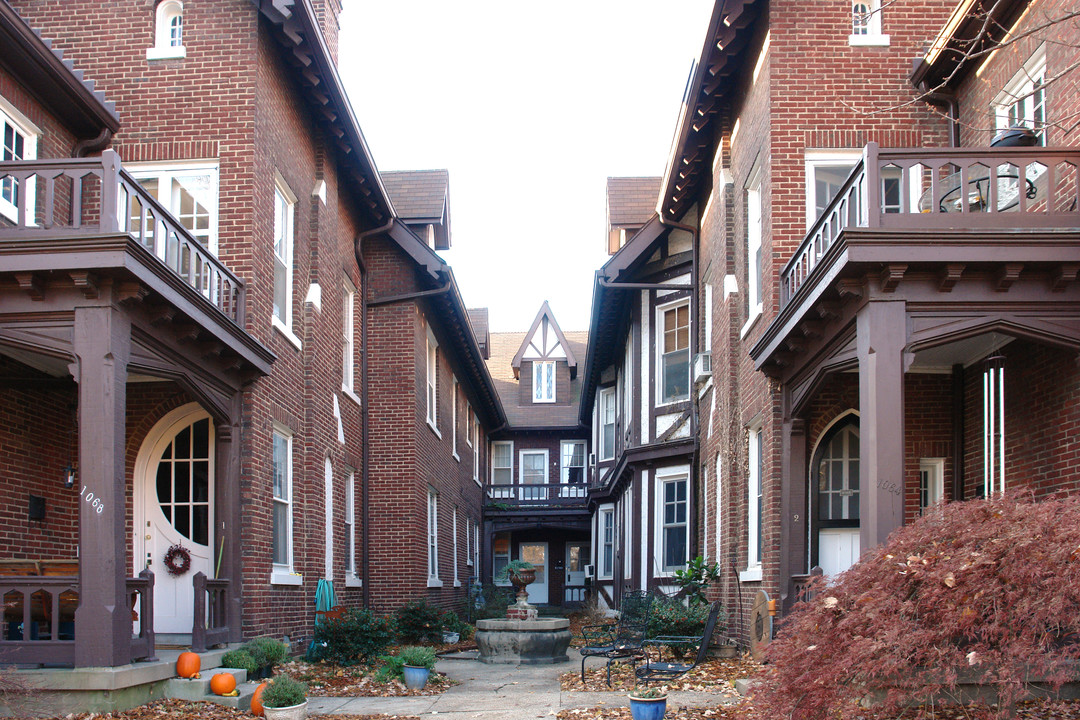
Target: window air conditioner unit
[702,366]
[590,571]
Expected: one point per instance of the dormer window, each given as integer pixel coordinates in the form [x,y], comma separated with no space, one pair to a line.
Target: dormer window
[168,31]
[544,381]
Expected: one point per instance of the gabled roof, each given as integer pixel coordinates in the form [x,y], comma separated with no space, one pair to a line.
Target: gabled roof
[422,197]
[296,27]
[55,83]
[545,339]
[708,90]
[631,201]
[529,415]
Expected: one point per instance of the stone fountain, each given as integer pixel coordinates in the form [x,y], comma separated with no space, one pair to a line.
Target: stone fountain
[522,638]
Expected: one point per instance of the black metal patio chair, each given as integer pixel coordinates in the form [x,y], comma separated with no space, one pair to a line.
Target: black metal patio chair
[660,670]
[620,640]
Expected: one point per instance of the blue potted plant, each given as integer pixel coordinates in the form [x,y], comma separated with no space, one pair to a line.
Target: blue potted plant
[417,664]
[648,703]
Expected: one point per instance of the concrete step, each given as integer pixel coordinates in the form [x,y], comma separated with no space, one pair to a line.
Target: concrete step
[199,688]
[241,701]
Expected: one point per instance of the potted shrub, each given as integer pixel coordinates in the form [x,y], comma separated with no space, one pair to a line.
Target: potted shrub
[266,652]
[241,659]
[648,703]
[417,664]
[520,574]
[284,699]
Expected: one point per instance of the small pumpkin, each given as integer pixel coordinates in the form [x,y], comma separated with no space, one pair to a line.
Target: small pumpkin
[256,700]
[222,684]
[187,665]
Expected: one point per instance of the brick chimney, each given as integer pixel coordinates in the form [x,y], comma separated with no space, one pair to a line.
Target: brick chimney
[326,16]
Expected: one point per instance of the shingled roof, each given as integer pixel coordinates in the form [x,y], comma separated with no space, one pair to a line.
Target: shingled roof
[422,197]
[500,365]
[631,201]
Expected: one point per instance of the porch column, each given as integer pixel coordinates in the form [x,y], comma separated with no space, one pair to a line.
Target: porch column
[881,333]
[793,507]
[227,519]
[102,343]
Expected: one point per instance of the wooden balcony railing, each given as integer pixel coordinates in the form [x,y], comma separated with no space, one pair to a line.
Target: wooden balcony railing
[566,494]
[211,625]
[95,196]
[944,189]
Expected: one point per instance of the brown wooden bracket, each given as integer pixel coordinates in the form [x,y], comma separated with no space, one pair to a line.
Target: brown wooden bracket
[950,275]
[828,310]
[187,332]
[31,283]
[85,281]
[783,359]
[850,286]
[891,275]
[1064,275]
[812,328]
[131,292]
[1008,274]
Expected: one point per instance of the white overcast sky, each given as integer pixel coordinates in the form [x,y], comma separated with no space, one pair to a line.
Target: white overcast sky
[530,106]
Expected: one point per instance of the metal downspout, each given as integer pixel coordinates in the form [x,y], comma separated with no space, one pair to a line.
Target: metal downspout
[948,101]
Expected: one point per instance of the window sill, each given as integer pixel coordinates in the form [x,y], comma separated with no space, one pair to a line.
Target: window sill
[284,330]
[751,321]
[751,574]
[165,53]
[434,429]
[456,456]
[538,401]
[457,583]
[434,583]
[351,581]
[284,577]
[868,40]
[351,395]
[477,481]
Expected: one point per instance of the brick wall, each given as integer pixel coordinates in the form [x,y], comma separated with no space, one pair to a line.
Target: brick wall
[55,141]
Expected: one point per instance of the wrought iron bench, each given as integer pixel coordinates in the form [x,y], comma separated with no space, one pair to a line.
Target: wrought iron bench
[620,640]
[660,670]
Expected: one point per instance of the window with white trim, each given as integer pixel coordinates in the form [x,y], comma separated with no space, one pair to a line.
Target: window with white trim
[476,545]
[502,463]
[470,424]
[188,190]
[284,210]
[754,499]
[468,541]
[606,530]
[572,461]
[350,524]
[673,343]
[931,483]
[20,138]
[433,538]
[457,581]
[348,337]
[453,416]
[866,23]
[432,375]
[281,532]
[1022,102]
[826,172]
[168,31]
[543,381]
[532,467]
[500,557]
[674,522]
[754,270]
[627,525]
[607,423]
[475,443]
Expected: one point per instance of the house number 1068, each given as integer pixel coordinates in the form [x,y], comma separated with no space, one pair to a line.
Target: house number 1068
[94,501]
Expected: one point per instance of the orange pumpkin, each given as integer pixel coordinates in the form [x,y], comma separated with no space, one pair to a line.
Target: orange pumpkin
[187,665]
[256,700]
[222,684]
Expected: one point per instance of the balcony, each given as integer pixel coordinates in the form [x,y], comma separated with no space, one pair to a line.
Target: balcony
[916,194]
[560,496]
[80,201]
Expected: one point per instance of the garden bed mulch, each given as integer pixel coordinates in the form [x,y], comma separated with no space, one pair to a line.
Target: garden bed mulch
[190,710]
[327,680]
[714,676]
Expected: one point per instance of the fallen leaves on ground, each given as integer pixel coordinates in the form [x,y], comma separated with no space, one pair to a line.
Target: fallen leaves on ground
[191,710]
[328,680]
[723,712]
[713,676]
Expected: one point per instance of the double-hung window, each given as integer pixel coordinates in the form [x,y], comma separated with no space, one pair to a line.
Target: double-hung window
[502,468]
[453,416]
[474,435]
[543,381]
[1023,100]
[674,527]
[432,382]
[284,205]
[572,467]
[674,360]
[606,530]
[607,424]
[500,557]
[348,337]
[754,506]
[350,529]
[188,190]
[281,532]
[433,538]
[20,143]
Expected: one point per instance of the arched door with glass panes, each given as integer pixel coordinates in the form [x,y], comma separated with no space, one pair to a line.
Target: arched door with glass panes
[835,498]
[175,511]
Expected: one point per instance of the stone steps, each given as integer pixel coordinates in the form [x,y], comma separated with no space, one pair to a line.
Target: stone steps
[199,688]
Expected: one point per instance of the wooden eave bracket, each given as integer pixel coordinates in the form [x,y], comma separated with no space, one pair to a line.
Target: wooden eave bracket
[1064,275]
[162,315]
[812,328]
[950,275]
[130,292]
[891,275]
[850,287]
[86,282]
[1008,275]
[32,284]
[828,310]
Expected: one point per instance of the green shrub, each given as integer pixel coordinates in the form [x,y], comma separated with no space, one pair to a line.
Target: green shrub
[452,623]
[283,691]
[669,616]
[696,578]
[357,636]
[266,650]
[239,658]
[418,622]
[495,600]
[417,656]
[390,669]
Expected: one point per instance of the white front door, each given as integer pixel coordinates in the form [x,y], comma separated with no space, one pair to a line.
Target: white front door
[576,556]
[174,507]
[536,553]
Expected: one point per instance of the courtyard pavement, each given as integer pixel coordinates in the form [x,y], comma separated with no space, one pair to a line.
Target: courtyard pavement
[497,692]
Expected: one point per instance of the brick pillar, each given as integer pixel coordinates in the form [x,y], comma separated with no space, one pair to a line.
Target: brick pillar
[102,346]
[881,333]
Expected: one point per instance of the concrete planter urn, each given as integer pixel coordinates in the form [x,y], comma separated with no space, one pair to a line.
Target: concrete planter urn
[293,712]
[415,677]
[520,579]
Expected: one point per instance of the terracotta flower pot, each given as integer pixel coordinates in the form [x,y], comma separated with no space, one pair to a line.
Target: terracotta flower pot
[520,579]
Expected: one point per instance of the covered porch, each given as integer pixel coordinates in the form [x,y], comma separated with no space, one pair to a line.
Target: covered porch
[124,359]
